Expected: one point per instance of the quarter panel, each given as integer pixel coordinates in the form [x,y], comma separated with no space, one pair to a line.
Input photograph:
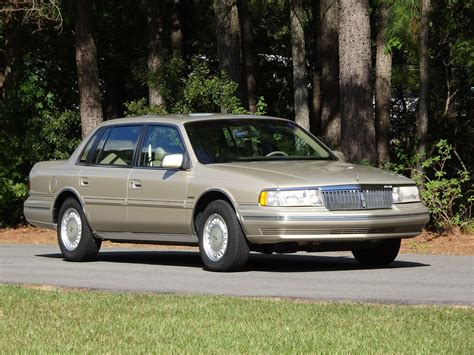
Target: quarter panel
[47,179]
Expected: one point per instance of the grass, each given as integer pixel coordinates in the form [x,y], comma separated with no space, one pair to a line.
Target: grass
[37,320]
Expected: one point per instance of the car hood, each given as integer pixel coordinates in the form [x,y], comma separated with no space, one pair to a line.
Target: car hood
[313,173]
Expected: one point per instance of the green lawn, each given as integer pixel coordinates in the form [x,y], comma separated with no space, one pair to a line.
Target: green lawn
[33,320]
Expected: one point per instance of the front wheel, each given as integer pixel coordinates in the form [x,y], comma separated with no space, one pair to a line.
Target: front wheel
[222,244]
[75,238]
[382,254]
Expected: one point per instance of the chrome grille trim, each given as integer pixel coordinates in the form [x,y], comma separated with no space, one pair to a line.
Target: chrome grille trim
[358,199]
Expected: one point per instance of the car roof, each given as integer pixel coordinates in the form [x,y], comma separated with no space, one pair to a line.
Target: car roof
[182,118]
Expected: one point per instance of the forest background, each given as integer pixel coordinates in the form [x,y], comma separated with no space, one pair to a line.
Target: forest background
[388,83]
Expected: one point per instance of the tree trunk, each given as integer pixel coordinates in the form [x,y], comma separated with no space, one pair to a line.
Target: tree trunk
[315,123]
[12,51]
[358,128]
[155,52]
[300,81]
[248,57]
[87,69]
[330,103]
[422,121]
[228,39]
[176,29]
[383,88]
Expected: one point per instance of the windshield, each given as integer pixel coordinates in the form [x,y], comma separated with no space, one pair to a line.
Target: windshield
[231,140]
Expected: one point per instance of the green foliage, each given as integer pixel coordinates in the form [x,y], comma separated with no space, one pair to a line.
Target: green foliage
[35,125]
[404,30]
[444,186]
[173,79]
[447,197]
[206,92]
[140,107]
[12,194]
[262,106]
[60,132]
[200,91]
[50,134]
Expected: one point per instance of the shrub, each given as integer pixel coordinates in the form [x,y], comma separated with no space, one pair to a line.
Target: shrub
[446,195]
[444,185]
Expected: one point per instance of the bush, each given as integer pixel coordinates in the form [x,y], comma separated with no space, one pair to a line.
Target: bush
[44,132]
[446,195]
[445,185]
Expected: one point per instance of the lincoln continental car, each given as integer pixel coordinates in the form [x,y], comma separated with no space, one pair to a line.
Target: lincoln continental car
[229,184]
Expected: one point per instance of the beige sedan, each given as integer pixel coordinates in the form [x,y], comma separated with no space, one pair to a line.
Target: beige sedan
[227,183]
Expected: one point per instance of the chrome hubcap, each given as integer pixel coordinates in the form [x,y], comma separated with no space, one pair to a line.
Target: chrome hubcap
[215,237]
[71,229]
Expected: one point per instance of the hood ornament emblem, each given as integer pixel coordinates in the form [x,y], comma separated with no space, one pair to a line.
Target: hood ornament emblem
[356,177]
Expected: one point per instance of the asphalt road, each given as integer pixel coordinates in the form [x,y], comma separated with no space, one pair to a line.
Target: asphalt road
[411,279]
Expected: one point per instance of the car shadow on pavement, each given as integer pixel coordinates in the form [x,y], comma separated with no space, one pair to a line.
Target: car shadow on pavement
[257,262]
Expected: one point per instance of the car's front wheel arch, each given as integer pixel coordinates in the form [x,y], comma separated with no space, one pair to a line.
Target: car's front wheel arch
[205,199]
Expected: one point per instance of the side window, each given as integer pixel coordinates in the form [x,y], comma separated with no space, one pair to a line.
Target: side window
[89,145]
[117,147]
[159,142]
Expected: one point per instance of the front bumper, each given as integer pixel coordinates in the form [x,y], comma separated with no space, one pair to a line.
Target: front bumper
[265,225]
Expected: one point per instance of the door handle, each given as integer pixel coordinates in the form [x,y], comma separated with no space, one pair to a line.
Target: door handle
[135,184]
[84,181]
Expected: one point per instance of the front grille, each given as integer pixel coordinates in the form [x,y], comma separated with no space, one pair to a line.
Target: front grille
[360,199]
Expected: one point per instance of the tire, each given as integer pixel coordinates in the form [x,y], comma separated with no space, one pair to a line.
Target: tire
[75,238]
[222,244]
[382,254]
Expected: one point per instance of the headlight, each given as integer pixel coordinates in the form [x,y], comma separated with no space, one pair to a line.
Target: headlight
[291,197]
[402,194]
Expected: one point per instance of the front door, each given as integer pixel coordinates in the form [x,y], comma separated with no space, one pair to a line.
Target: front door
[156,196]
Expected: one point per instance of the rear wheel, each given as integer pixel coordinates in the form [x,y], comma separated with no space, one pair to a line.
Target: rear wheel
[382,254]
[222,244]
[75,238]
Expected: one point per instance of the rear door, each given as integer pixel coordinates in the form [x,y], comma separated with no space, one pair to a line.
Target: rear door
[156,196]
[103,180]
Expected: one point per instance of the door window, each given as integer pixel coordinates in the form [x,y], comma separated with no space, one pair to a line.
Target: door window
[159,142]
[119,146]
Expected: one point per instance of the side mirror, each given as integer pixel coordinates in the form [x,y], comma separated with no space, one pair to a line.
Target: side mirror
[339,154]
[172,161]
